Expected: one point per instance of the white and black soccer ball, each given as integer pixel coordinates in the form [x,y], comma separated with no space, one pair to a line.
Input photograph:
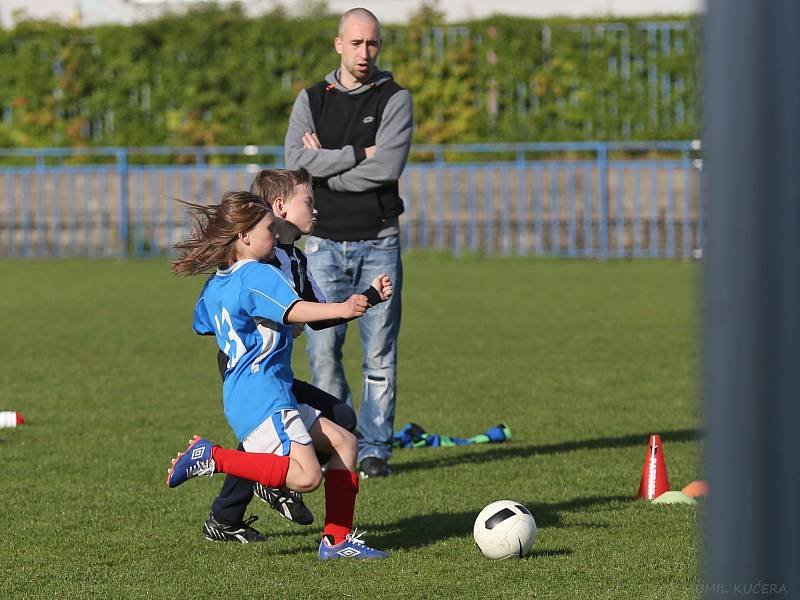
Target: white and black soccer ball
[505,529]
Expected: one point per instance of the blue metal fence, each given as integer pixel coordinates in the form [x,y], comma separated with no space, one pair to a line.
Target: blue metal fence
[556,199]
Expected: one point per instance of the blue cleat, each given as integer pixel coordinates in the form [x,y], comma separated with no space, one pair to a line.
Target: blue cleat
[195,461]
[352,547]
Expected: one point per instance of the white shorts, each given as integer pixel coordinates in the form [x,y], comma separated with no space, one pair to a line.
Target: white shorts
[277,432]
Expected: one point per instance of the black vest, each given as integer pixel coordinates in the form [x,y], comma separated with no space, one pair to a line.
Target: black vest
[351,119]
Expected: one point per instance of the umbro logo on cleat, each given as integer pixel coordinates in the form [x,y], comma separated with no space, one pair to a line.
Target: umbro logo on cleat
[368,120]
[198,453]
[348,552]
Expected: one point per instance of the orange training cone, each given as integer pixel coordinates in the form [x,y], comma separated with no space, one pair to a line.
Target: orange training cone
[654,480]
[696,489]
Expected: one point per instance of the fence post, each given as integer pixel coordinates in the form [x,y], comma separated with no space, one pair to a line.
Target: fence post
[122,172]
[439,199]
[522,248]
[602,170]
[39,209]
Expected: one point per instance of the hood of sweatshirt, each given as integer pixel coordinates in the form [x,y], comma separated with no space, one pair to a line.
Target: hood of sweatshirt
[378,78]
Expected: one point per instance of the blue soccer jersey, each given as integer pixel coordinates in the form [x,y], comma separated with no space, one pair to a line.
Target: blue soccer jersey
[245,307]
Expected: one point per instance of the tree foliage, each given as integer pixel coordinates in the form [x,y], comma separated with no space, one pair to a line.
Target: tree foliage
[215,76]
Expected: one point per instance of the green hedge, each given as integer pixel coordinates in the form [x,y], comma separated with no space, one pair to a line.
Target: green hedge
[215,76]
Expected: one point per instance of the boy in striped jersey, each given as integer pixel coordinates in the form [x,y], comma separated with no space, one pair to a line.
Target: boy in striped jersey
[289,193]
[249,306]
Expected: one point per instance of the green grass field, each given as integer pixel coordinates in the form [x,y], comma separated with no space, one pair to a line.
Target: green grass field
[582,359]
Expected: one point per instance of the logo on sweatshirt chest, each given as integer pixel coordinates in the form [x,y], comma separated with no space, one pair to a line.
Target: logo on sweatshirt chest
[368,120]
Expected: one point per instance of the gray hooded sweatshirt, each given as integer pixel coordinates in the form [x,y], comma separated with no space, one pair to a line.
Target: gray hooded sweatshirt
[340,166]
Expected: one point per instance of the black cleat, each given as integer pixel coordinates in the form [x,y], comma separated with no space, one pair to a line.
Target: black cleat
[372,466]
[289,504]
[217,531]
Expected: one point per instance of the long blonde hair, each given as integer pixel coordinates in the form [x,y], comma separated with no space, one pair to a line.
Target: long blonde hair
[215,229]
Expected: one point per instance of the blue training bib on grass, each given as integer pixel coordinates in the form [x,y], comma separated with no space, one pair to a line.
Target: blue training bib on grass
[414,436]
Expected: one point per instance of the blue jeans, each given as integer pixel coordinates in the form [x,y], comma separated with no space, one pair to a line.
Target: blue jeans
[342,269]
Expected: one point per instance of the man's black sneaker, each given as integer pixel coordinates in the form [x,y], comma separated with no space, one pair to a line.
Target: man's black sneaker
[372,466]
[217,531]
[289,504]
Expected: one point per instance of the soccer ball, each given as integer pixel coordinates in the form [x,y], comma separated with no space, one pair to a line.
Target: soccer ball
[505,529]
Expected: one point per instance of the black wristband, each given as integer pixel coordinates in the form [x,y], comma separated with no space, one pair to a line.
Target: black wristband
[373,296]
[360,154]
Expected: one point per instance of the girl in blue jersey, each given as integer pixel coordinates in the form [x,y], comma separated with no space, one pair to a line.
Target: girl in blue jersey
[289,194]
[250,307]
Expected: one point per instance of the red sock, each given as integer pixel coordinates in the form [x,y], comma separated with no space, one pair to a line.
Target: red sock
[267,469]
[341,488]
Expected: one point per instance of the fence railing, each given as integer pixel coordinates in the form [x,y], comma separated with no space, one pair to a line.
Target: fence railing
[588,199]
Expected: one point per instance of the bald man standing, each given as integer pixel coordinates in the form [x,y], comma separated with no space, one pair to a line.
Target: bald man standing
[352,131]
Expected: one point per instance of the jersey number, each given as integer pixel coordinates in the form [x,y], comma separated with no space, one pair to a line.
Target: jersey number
[225,328]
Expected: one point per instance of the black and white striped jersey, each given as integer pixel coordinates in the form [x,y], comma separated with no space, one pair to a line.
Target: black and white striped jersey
[294,266]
